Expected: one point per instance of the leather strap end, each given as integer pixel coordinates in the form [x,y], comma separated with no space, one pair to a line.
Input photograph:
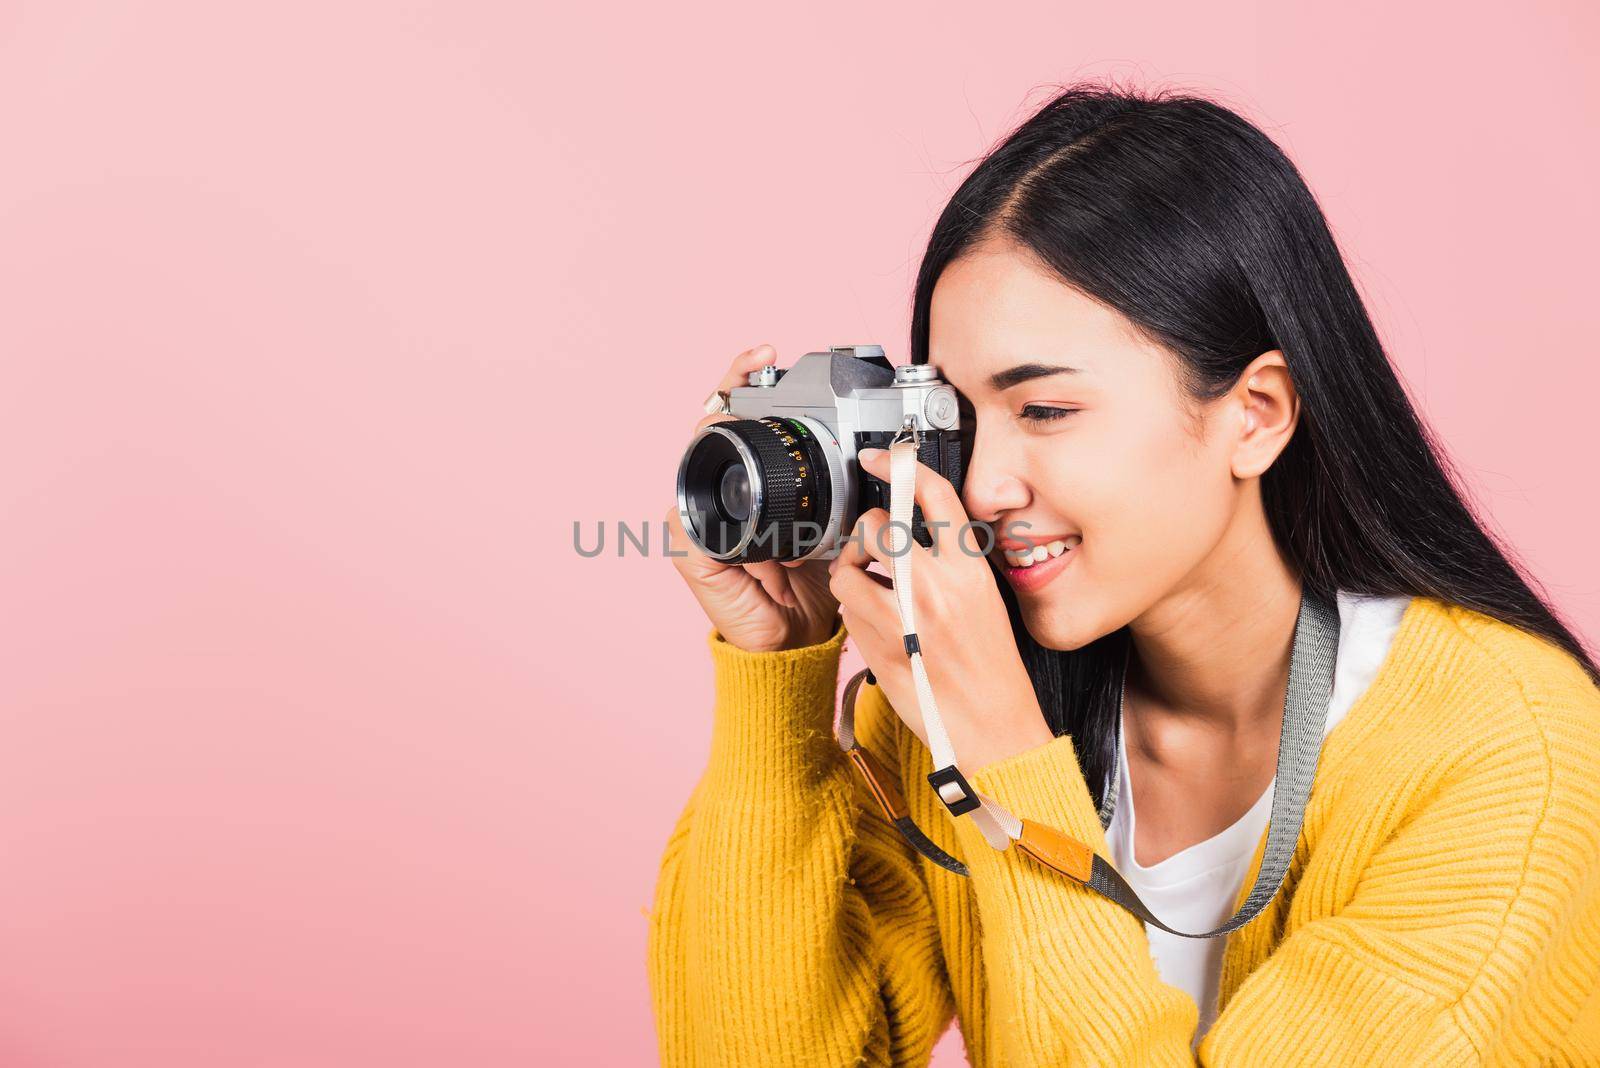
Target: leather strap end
[882,786]
[1053,849]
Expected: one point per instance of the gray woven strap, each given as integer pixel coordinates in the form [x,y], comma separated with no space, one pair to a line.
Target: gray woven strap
[1312,656]
[1305,712]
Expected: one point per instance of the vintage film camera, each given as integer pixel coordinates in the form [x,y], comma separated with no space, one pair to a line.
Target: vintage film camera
[781,481]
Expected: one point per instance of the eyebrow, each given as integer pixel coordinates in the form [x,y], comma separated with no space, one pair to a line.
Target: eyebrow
[1027,372]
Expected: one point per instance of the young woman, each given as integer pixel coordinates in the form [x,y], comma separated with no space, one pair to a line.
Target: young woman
[1168,376]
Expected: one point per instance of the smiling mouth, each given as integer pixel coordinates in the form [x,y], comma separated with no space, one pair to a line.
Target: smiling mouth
[1026,558]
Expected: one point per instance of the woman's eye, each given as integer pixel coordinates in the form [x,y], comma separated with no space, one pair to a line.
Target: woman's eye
[1039,413]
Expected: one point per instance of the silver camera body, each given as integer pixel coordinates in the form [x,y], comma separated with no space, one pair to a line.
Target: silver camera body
[781,480]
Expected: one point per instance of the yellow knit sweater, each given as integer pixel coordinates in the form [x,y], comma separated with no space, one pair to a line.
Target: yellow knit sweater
[1443,907]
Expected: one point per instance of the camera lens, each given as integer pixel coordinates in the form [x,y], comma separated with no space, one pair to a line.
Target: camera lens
[733,498]
[755,489]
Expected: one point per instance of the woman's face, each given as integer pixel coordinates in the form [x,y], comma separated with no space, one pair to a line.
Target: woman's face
[1081,433]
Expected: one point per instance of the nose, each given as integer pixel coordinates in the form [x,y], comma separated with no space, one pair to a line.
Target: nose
[991,485]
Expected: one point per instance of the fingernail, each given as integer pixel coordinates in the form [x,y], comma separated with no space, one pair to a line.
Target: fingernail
[713,403]
[870,454]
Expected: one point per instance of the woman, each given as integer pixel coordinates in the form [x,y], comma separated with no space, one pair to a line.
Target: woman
[1170,381]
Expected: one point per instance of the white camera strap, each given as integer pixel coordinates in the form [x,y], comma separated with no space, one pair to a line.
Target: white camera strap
[999,827]
[1311,665]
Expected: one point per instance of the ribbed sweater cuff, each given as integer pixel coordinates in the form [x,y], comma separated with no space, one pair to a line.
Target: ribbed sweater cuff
[772,723]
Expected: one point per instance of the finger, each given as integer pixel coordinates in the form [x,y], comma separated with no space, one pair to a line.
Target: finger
[747,361]
[737,375]
[676,538]
[678,542]
[881,579]
[874,539]
[865,600]
[851,552]
[942,511]
[775,580]
[687,557]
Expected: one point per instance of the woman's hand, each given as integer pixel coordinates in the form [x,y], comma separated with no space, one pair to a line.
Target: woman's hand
[758,607]
[985,696]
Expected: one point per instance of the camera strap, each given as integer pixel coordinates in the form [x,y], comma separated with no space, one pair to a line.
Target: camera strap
[1311,666]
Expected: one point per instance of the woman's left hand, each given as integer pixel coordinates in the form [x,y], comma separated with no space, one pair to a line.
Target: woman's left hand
[985,696]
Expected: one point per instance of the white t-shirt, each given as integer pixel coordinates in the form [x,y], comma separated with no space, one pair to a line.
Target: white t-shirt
[1195,889]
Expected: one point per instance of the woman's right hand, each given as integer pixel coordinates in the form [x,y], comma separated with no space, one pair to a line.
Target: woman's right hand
[758,607]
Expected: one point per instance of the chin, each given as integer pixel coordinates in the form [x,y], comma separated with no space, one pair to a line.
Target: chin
[1060,629]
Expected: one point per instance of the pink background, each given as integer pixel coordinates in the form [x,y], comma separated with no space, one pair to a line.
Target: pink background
[323,322]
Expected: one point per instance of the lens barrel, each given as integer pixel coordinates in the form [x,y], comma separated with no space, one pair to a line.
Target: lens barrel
[755,489]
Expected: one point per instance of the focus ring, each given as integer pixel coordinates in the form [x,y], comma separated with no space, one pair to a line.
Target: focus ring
[777,475]
[778,488]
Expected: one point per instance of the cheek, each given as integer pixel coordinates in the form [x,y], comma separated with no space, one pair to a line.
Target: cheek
[1151,506]
[1154,505]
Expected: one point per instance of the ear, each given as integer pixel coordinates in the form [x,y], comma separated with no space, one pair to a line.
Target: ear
[1265,409]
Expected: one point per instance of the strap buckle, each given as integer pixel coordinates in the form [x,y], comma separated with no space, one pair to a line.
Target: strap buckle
[952,776]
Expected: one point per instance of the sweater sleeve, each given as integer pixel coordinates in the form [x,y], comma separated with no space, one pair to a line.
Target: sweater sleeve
[1449,940]
[791,926]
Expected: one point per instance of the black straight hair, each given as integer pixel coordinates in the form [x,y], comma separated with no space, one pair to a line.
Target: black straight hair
[1193,224]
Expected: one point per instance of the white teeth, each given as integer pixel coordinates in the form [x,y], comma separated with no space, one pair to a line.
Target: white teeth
[1029,557]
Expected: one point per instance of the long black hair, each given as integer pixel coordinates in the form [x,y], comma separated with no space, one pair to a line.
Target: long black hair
[1194,225]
